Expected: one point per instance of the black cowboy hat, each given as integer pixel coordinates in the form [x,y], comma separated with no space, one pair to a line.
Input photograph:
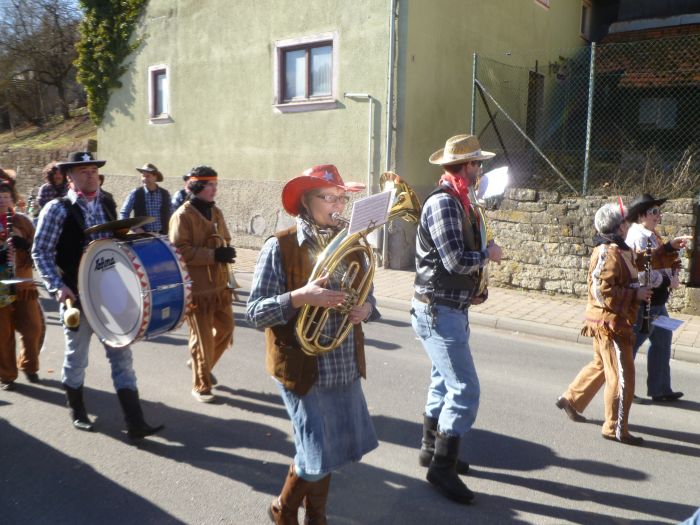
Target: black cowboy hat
[80,158]
[641,205]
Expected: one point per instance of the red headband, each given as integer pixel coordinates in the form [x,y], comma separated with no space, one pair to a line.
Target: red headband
[193,177]
[622,208]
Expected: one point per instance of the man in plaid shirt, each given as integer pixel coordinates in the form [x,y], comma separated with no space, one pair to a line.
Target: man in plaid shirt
[449,257]
[149,200]
[58,248]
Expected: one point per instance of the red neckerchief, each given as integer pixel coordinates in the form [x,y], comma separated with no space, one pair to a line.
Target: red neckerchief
[3,222]
[459,187]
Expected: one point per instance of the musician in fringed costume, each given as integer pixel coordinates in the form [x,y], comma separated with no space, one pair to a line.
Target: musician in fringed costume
[199,231]
[58,249]
[19,303]
[322,393]
[614,296]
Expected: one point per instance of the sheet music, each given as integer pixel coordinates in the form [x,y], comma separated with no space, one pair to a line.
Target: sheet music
[668,323]
[370,211]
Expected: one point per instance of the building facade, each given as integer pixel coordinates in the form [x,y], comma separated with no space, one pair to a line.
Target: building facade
[262,90]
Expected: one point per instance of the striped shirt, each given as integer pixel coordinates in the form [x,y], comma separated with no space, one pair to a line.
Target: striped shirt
[442,218]
[153,203]
[270,304]
[49,229]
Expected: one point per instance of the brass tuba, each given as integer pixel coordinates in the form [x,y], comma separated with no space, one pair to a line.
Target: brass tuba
[334,261]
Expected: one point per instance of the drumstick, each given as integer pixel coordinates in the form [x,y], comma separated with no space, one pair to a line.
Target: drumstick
[71,316]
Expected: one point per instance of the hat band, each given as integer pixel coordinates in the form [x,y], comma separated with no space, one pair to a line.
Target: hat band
[208,177]
[452,156]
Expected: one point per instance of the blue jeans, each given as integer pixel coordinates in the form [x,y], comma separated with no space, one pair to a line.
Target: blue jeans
[693,520]
[76,359]
[659,353]
[453,394]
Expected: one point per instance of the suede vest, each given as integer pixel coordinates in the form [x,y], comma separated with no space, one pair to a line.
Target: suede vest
[285,359]
[140,207]
[71,243]
[430,271]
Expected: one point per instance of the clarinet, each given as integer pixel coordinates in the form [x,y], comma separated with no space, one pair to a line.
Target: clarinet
[10,251]
[646,319]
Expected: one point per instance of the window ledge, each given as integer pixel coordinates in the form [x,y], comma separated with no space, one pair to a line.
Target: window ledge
[307,105]
[161,119]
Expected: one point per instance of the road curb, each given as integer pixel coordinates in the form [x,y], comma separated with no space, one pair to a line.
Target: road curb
[679,352]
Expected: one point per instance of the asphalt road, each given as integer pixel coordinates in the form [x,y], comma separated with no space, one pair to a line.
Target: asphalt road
[223,463]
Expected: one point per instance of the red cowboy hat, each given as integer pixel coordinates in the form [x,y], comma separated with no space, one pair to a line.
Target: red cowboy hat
[323,176]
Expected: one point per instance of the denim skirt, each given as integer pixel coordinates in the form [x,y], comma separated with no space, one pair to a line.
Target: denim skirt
[332,426]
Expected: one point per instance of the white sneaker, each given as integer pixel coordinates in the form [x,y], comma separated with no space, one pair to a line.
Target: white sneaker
[203,397]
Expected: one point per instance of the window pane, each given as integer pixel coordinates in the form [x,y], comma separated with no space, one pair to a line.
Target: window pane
[160,93]
[295,74]
[321,69]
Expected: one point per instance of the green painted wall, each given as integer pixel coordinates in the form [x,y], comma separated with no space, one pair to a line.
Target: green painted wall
[220,54]
[437,39]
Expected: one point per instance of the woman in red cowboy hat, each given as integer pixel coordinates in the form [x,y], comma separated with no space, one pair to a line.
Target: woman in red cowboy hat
[322,394]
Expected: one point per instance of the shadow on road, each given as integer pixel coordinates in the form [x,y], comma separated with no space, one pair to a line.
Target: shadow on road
[47,486]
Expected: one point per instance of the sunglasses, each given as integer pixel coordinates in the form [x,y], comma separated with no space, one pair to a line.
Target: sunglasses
[474,163]
[654,211]
[332,199]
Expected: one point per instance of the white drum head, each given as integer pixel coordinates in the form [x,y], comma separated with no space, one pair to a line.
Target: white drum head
[110,292]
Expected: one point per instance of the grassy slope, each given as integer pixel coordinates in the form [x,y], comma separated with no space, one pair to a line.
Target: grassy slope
[56,134]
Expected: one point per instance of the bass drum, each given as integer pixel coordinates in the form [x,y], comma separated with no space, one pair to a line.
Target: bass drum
[133,289]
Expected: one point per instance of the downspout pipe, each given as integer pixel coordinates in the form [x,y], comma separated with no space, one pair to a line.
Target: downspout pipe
[389,123]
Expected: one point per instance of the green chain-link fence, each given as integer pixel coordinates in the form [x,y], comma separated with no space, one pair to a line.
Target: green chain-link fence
[610,118]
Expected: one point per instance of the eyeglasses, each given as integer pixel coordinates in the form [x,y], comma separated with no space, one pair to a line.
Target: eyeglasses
[654,211]
[332,199]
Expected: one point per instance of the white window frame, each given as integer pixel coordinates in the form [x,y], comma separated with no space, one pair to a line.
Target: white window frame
[164,117]
[317,103]
[585,23]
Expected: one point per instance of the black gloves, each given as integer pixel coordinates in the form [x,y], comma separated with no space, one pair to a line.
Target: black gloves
[20,243]
[225,254]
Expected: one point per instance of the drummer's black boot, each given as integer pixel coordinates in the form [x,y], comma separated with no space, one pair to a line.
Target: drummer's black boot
[136,425]
[427,447]
[442,473]
[78,413]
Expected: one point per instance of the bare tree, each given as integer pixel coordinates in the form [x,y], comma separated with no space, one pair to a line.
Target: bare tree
[37,37]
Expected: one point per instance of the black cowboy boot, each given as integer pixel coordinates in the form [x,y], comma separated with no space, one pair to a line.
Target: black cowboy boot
[78,413]
[427,448]
[442,472]
[285,508]
[315,502]
[136,425]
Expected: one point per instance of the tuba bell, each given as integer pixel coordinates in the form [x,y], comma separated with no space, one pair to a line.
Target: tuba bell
[341,260]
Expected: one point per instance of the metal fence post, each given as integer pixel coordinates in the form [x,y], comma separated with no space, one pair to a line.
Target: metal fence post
[473,122]
[589,119]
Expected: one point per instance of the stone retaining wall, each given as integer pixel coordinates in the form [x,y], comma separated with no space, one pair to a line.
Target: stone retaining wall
[547,241]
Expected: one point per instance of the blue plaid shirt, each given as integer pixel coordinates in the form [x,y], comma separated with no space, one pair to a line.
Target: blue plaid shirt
[270,304]
[49,229]
[49,192]
[153,202]
[442,217]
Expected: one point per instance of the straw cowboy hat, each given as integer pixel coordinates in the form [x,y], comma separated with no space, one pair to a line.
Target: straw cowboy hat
[322,176]
[151,168]
[641,205]
[80,158]
[458,150]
